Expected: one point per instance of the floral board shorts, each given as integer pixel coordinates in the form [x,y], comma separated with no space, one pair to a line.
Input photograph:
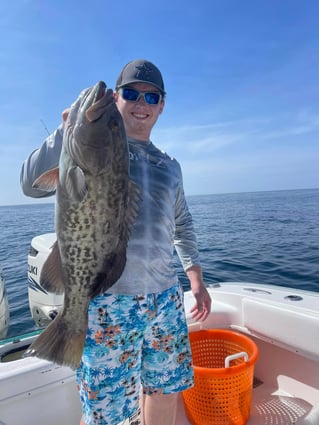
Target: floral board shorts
[133,341]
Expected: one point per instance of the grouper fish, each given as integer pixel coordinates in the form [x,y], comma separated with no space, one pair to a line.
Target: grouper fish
[96,205]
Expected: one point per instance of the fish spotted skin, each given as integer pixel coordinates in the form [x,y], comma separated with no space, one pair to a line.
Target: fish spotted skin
[96,205]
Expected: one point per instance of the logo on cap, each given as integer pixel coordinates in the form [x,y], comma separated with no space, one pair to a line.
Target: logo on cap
[144,71]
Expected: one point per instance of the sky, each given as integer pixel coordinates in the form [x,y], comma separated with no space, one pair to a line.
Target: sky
[242,83]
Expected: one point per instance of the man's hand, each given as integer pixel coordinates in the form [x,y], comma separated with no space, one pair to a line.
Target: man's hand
[201,309]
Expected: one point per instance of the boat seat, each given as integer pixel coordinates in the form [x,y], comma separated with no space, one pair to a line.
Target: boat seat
[291,328]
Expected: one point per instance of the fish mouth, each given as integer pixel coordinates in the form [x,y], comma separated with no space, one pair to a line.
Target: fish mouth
[100,89]
[96,101]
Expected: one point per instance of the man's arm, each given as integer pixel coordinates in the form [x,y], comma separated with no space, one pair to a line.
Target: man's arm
[186,246]
[40,161]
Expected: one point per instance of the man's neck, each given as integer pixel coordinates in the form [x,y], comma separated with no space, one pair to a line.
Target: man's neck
[139,137]
[133,139]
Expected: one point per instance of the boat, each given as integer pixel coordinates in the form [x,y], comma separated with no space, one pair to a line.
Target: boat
[44,306]
[4,307]
[282,322]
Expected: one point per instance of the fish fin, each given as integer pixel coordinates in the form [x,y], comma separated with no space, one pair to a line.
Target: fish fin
[134,198]
[47,180]
[75,184]
[59,343]
[112,270]
[114,263]
[51,278]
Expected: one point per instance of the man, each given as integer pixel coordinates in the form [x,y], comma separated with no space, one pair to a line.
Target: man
[140,320]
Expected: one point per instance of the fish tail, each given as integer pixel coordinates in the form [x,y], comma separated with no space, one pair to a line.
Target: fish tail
[59,343]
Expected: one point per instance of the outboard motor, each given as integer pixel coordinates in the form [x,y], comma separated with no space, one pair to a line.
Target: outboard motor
[44,306]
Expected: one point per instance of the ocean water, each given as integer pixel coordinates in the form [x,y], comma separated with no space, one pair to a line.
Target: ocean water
[260,237]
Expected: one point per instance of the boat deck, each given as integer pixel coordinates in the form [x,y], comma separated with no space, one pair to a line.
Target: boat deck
[282,393]
[284,325]
[270,406]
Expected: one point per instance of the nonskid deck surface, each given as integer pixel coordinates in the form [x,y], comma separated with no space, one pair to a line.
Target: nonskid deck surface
[269,407]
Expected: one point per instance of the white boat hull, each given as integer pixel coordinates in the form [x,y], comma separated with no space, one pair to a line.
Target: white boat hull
[284,327]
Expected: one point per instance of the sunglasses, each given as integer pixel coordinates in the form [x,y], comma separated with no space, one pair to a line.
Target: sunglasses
[132,95]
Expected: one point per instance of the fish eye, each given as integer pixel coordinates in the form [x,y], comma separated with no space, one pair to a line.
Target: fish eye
[114,125]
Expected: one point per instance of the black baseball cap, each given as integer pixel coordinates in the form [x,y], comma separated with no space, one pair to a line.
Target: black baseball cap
[141,71]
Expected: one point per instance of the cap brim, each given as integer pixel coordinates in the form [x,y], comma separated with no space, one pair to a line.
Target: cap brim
[141,81]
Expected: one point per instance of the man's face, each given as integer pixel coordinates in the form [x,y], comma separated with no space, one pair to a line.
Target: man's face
[139,117]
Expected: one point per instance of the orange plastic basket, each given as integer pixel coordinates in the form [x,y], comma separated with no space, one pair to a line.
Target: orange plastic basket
[221,395]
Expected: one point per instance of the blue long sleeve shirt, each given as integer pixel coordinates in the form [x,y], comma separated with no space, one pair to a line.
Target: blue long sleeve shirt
[163,223]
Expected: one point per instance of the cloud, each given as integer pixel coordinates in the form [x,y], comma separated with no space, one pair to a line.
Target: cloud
[245,134]
[270,169]
[204,138]
[302,124]
[253,154]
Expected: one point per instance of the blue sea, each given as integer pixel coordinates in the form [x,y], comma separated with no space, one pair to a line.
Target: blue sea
[260,237]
